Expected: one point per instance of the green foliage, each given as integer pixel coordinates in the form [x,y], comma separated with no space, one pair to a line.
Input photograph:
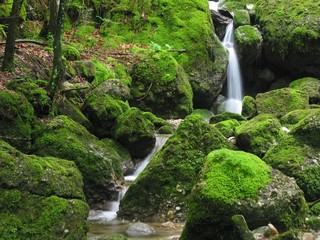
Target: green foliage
[289,26]
[85,36]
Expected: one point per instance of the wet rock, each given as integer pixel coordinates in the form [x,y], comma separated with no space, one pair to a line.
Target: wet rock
[220,23]
[140,229]
[309,85]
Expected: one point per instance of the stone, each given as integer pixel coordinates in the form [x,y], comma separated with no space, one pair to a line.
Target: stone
[140,229]
[309,85]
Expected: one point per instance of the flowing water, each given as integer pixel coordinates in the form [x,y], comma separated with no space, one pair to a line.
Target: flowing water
[105,222]
[234,79]
[213,5]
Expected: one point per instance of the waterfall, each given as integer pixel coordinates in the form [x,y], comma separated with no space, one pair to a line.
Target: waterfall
[112,207]
[234,80]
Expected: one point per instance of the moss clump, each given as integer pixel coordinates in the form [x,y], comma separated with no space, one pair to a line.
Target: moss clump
[293,117]
[289,27]
[28,216]
[249,108]
[309,85]
[168,179]
[241,17]
[71,53]
[227,127]
[226,116]
[281,101]
[259,134]
[102,72]
[16,119]
[204,113]
[160,85]
[228,180]
[99,164]
[135,132]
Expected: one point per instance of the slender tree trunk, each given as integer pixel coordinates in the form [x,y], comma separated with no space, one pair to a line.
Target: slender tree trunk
[58,69]
[7,64]
[53,20]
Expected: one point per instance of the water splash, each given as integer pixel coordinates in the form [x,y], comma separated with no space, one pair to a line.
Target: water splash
[234,79]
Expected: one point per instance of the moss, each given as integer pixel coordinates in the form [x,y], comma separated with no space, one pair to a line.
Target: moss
[241,17]
[37,217]
[315,209]
[249,108]
[115,236]
[233,5]
[227,127]
[314,223]
[281,101]
[228,178]
[99,164]
[5,8]
[204,113]
[288,27]
[293,117]
[226,116]
[70,53]
[85,34]
[135,132]
[168,179]
[309,85]
[259,134]
[16,119]
[102,72]
[167,129]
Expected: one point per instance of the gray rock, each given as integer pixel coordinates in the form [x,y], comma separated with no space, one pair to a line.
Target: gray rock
[140,229]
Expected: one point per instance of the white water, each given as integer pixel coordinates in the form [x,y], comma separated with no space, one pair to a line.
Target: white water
[113,206]
[234,79]
[160,141]
[213,5]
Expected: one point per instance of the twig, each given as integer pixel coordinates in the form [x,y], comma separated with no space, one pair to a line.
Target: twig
[14,138]
[177,50]
[27,41]
[139,99]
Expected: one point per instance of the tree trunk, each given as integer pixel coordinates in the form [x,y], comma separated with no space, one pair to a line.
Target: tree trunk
[58,69]
[7,64]
[53,20]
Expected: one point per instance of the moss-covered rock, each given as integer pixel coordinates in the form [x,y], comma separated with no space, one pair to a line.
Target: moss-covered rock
[291,33]
[227,127]
[226,116]
[309,85]
[293,117]
[24,215]
[115,88]
[40,197]
[16,119]
[241,18]
[178,25]
[249,44]
[235,182]
[249,108]
[70,53]
[157,121]
[297,155]
[99,164]
[281,101]
[102,110]
[135,132]
[160,85]
[85,69]
[258,134]
[162,189]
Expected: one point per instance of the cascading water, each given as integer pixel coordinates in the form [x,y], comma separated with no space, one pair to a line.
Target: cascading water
[234,80]
[111,208]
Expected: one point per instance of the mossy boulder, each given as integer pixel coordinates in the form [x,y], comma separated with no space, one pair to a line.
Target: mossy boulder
[70,53]
[241,18]
[102,110]
[135,132]
[85,69]
[258,134]
[291,34]
[24,215]
[158,122]
[226,116]
[160,85]
[309,85]
[115,88]
[249,44]
[162,189]
[281,101]
[99,163]
[183,26]
[297,155]
[40,197]
[249,108]
[236,182]
[293,117]
[227,127]
[16,119]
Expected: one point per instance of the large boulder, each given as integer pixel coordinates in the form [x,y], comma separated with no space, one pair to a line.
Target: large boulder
[162,189]
[236,182]
[99,163]
[40,197]
[259,134]
[185,28]
[281,101]
[292,35]
[309,85]
[16,119]
[160,85]
[135,132]
[297,154]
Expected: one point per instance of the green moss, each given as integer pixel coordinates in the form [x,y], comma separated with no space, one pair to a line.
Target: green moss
[204,113]
[295,116]
[85,34]
[226,116]
[172,172]
[227,127]
[102,72]
[71,53]
[233,5]
[37,217]
[5,8]
[314,223]
[315,210]
[241,17]
[281,101]
[248,35]
[249,108]
[309,85]
[288,27]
